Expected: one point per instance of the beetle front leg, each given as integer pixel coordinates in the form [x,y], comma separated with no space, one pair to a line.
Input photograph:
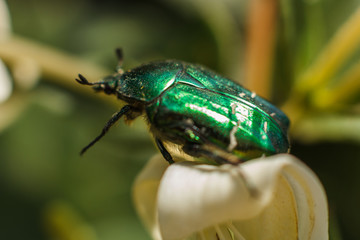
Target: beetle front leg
[163,151]
[126,109]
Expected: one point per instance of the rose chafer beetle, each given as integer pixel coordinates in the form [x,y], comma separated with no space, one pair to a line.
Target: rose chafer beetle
[200,112]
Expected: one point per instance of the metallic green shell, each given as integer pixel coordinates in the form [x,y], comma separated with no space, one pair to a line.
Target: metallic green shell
[147,82]
[175,94]
[218,116]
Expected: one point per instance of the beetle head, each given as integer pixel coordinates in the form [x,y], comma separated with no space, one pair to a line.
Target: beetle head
[107,85]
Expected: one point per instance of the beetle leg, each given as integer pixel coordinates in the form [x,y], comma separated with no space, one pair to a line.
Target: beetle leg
[107,126]
[163,151]
[195,150]
[207,149]
[195,143]
[211,152]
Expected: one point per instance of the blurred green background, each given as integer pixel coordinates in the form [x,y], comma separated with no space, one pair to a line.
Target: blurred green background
[47,191]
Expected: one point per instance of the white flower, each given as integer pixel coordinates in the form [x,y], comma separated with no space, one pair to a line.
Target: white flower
[5,31]
[5,83]
[276,197]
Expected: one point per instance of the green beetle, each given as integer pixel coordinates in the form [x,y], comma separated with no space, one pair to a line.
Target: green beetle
[200,112]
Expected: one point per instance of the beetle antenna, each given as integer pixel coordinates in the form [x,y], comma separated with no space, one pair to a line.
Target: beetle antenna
[82,80]
[107,126]
[119,55]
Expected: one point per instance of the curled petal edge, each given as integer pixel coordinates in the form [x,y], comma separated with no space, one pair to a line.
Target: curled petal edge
[192,197]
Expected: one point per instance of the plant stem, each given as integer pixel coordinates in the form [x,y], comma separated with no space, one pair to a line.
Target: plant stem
[260,50]
[55,66]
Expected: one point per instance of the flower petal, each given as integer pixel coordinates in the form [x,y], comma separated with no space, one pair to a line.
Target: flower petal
[194,197]
[309,194]
[145,191]
[266,198]
[5,83]
[5,30]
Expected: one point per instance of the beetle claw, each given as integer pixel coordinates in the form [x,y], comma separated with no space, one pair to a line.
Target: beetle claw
[82,80]
[79,81]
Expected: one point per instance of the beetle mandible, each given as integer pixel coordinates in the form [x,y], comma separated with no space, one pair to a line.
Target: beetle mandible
[202,113]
